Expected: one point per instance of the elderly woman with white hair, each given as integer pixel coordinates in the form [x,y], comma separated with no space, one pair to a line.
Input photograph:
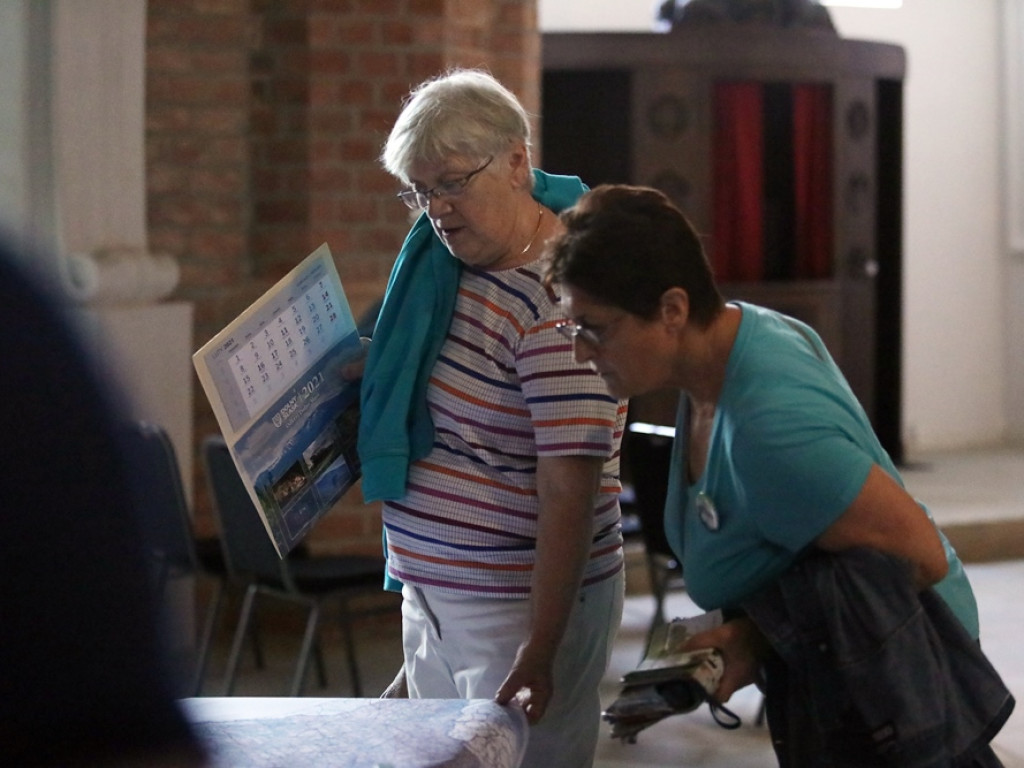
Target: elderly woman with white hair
[495,454]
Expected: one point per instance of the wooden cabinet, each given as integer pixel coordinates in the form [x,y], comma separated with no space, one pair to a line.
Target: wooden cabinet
[647,108]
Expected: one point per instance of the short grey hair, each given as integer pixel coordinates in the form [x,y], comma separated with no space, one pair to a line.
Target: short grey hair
[464,112]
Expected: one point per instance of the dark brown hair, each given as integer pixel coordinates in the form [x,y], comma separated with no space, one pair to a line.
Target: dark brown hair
[626,246]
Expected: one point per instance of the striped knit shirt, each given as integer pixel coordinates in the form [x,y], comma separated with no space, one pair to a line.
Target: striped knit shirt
[505,390]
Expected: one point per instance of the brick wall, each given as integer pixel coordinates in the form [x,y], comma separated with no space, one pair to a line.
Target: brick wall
[264,122]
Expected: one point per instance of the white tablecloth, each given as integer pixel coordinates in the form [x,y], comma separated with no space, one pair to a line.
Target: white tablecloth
[250,732]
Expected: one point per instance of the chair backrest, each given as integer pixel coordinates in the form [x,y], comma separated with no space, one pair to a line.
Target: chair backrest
[159,498]
[649,457]
[248,550]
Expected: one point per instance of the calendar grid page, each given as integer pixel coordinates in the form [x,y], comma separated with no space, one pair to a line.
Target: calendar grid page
[277,348]
[275,380]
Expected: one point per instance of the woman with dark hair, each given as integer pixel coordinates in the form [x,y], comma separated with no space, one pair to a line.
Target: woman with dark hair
[840,594]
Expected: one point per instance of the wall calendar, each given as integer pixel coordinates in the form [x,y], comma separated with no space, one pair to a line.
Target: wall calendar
[275,380]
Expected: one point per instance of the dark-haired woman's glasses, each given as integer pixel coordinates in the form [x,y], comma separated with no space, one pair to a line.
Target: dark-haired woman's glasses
[420,198]
[572,331]
[595,336]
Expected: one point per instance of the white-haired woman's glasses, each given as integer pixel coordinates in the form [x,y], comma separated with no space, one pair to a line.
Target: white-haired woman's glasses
[416,199]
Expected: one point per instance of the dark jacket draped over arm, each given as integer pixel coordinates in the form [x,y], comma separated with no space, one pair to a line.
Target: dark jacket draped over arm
[869,671]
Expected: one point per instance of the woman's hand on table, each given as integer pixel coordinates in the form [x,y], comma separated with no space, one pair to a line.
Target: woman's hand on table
[530,683]
[398,688]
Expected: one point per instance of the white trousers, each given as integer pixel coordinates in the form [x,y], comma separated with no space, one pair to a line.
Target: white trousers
[459,647]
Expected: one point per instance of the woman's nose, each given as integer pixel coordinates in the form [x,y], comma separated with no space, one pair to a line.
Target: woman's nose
[581,350]
[438,204]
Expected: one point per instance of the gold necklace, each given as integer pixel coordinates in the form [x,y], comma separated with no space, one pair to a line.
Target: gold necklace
[540,217]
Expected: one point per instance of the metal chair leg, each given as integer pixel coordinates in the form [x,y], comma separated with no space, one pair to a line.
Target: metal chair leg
[321,664]
[254,639]
[206,638]
[312,624]
[239,638]
[659,586]
[350,649]
[761,712]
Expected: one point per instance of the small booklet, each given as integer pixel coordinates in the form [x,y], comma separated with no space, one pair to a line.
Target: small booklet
[668,681]
[275,380]
[665,658]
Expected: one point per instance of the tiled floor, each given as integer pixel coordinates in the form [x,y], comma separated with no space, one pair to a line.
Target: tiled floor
[959,488]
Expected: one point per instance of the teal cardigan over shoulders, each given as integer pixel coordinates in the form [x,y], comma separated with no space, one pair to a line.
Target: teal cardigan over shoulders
[395,427]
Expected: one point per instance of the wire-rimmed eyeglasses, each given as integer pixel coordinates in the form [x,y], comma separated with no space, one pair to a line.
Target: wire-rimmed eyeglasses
[571,330]
[416,199]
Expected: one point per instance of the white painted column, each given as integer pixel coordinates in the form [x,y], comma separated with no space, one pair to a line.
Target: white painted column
[97,104]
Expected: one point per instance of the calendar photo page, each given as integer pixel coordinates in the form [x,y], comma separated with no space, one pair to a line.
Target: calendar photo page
[274,378]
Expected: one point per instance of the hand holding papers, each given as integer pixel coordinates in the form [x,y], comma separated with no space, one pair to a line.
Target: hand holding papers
[669,680]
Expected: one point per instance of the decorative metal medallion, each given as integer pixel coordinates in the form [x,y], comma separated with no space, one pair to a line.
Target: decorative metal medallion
[668,117]
[858,120]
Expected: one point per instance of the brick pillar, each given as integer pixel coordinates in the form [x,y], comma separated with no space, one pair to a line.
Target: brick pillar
[328,80]
[264,122]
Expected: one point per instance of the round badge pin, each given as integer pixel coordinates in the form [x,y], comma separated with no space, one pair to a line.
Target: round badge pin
[706,511]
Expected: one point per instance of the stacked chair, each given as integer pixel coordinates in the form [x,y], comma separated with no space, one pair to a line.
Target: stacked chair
[648,451]
[309,581]
[166,522]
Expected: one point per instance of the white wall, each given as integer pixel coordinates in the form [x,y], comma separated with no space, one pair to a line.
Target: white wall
[13,58]
[596,15]
[955,268]
[954,366]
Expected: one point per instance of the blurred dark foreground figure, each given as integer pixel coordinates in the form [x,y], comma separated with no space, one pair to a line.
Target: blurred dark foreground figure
[82,677]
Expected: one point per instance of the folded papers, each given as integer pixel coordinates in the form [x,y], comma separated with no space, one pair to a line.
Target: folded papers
[669,681]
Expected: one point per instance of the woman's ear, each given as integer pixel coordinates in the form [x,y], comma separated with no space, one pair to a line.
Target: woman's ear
[519,165]
[675,307]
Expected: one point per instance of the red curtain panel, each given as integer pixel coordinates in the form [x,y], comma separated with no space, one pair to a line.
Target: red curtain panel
[739,216]
[812,160]
[738,173]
